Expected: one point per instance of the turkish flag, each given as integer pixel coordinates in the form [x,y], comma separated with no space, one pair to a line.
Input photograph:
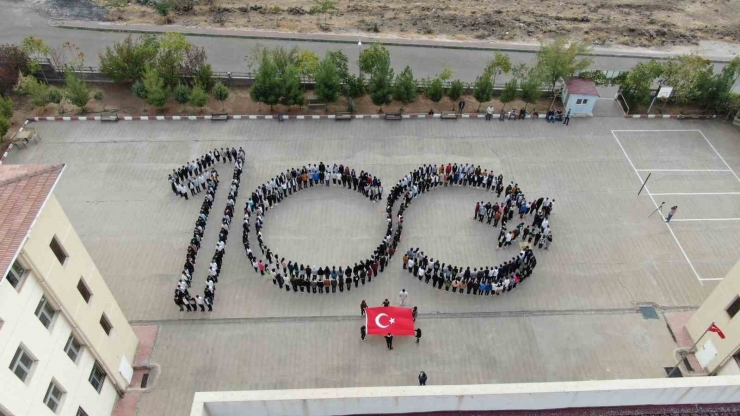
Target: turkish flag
[385,319]
[714,328]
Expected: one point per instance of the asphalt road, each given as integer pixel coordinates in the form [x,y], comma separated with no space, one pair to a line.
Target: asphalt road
[228,54]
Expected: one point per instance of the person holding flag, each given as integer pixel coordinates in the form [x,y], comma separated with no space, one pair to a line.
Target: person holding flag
[388,321]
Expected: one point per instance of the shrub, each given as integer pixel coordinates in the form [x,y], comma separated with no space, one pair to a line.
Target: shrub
[76,92]
[204,77]
[55,95]
[351,107]
[156,93]
[163,8]
[4,126]
[13,60]
[181,94]
[6,107]
[220,92]
[98,95]
[405,89]
[139,90]
[456,90]
[198,97]
[126,60]
[434,89]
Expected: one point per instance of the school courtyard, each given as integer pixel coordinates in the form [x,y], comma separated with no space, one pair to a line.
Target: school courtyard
[576,318]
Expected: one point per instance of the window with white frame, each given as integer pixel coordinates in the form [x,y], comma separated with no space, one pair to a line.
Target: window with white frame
[54,396]
[97,377]
[16,275]
[73,348]
[45,312]
[581,101]
[22,363]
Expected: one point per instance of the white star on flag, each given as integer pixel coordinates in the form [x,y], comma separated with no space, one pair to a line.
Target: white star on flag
[393,321]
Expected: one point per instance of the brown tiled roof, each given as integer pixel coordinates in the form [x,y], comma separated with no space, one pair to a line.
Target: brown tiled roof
[23,190]
[581,86]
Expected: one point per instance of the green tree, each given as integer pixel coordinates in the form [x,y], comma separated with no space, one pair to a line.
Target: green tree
[381,86]
[354,87]
[328,82]
[405,87]
[308,63]
[4,126]
[531,87]
[292,92]
[13,61]
[638,84]
[266,88]
[36,49]
[375,58]
[559,60]
[76,90]
[456,90]
[684,74]
[204,77]
[500,64]
[508,94]
[172,47]
[324,7]
[483,88]
[126,60]
[6,107]
[221,93]
[434,89]
[199,97]
[340,61]
[157,94]
[181,93]
[717,91]
[283,58]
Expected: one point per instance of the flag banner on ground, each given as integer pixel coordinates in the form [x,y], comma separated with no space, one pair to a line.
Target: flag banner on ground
[385,319]
[714,328]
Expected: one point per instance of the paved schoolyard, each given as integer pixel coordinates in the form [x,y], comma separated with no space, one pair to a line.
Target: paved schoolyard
[607,255]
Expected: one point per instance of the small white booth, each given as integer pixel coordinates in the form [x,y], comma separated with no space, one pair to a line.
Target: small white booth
[579,95]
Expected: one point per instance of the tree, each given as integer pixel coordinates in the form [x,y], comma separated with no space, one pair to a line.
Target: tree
[456,90]
[324,7]
[76,90]
[328,82]
[717,90]
[508,94]
[308,63]
[380,86]
[531,87]
[4,126]
[292,91]
[194,61]
[13,61]
[126,60]
[157,94]
[560,60]
[6,107]
[483,88]
[340,61]
[500,64]
[434,89]
[36,49]
[266,88]
[638,84]
[204,77]
[405,87]
[181,93]
[172,47]
[354,87]
[374,58]
[199,97]
[684,73]
[221,93]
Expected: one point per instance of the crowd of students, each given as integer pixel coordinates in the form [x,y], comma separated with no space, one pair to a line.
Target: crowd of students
[192,172]
[307,278]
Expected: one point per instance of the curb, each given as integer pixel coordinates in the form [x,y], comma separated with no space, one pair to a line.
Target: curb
[423,43]
[10,146]
[678,116]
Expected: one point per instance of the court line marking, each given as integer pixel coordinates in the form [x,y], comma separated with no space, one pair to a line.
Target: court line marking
[705,219]
[712,279]
[720,156]
[658,130]
[683,170]
[668,225]
[696,193]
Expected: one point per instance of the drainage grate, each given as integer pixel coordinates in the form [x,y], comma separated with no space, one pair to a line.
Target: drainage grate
[648,312]
[676,374]
[144,380]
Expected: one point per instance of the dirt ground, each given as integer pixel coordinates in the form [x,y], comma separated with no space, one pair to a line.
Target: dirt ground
[645,23]
[119,99]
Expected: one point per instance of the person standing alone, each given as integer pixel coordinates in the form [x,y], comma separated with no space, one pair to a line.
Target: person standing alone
[567,118]
[671,213]
[402,296]
[389,341]
[422,379]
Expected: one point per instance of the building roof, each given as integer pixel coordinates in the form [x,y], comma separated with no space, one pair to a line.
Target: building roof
[23,191]
[581,86]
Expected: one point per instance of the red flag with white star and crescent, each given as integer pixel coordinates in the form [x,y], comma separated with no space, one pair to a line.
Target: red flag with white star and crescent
[385,319]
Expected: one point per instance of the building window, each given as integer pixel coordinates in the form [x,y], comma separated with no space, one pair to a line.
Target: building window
[734,307]
[45,312]
[58,250]
[582,101]
[105,323]
[81,412]
[84,290]
[16,275]
[97,377]
[73,348]
[22,363]
[53,397]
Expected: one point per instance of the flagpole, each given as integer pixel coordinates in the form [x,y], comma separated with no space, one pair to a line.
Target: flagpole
[689,351]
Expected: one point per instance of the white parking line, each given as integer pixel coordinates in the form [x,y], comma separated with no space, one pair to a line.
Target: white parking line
[697,193]
[719,155]
[705,219]
[683,170]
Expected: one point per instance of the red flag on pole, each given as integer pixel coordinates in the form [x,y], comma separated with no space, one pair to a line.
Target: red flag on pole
[385,319]
[714,328]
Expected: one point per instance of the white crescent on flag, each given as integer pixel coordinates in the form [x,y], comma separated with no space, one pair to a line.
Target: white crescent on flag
[377,320]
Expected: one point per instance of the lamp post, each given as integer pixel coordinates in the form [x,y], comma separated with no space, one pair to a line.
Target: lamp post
[359,46]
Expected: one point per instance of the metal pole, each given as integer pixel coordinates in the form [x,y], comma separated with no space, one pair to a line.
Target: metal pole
[643,184]
[651,104]
[689,351]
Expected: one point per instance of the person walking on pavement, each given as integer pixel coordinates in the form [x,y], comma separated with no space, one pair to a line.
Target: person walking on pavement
[363,305]
[422,379]
[402,296]
[389,341]
[489,113]
[461,106]
[418,335]
[414,312]
[567,118]
[363,333]
[671,213]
